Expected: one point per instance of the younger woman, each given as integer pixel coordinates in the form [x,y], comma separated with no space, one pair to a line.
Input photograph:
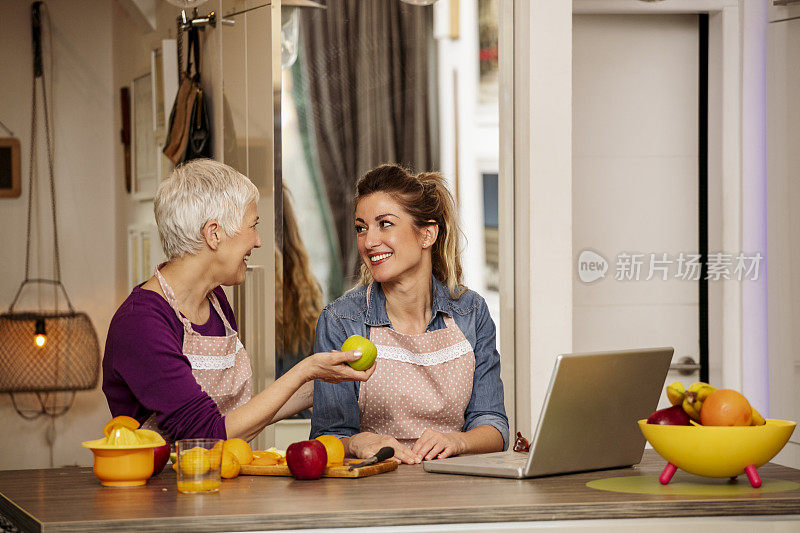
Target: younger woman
[436,391]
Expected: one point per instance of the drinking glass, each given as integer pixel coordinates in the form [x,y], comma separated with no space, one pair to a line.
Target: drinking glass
[198,465]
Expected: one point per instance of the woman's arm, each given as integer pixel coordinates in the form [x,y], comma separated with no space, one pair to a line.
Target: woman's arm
[248,420]
[301,400]
[145,371]
[486,406]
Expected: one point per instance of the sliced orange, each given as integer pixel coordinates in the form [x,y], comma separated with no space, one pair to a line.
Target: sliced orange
[267,461]
[124,421]
[195,462]
[240,449]
[272,455]
[230,466]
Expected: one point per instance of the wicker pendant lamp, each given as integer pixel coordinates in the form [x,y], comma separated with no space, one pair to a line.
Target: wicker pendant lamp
[45,351]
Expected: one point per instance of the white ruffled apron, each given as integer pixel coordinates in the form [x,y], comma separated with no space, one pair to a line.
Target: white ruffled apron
[220,365]
[422,381]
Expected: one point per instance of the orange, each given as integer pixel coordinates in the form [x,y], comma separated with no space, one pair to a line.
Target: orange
[334,447]
[240,449]
[230,466]
[195,462]
[726,407]
[215,455]
[124,421]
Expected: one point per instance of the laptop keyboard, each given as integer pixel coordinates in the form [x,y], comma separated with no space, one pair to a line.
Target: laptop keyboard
[515,459]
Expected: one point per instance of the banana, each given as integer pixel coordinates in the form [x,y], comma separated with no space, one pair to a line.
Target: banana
[690,410]
[758,420]
[695,395]
[676,392]
[704,393]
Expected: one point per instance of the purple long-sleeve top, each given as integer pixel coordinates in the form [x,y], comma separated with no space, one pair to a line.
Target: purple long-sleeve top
[145,371]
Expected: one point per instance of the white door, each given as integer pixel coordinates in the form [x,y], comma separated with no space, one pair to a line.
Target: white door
[635,183]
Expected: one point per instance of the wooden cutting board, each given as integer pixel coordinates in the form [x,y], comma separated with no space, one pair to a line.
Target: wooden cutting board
[330,471]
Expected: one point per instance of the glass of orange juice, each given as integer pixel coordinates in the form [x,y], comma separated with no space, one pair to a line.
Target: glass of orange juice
[198,465]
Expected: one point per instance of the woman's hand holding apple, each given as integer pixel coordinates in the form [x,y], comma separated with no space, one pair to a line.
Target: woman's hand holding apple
[364,445]
[333,367]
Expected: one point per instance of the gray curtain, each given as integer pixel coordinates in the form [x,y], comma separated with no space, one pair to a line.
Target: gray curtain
[368,69]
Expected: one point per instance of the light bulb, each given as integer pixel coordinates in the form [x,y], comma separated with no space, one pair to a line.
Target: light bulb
[39,334]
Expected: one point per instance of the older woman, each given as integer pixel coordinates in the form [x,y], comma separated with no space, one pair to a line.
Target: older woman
[437,391]
[173,359]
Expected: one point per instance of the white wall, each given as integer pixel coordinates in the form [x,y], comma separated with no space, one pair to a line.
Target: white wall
[83,106]
[783,223]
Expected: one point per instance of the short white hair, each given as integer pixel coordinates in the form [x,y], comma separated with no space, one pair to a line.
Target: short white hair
[196,192]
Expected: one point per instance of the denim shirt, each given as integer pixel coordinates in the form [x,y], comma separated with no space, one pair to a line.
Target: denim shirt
[336,405]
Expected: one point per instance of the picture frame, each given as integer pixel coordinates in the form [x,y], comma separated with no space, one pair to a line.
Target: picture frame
[144,161]
[164,70]
[157,80]
[10,180]
[144,253]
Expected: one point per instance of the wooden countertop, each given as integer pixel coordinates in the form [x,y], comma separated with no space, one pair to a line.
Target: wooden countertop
[69,499]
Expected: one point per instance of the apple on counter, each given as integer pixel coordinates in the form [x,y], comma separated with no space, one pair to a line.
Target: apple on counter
[306,459]
[368,351]
[160,458]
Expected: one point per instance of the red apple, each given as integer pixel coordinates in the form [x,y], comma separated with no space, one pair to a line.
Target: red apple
[160,457]
[671,416]
[306,459]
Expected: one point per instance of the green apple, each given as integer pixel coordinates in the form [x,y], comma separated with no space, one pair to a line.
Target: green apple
[368,351]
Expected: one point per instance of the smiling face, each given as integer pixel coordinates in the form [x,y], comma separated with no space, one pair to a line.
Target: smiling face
[234,250]
[390,245]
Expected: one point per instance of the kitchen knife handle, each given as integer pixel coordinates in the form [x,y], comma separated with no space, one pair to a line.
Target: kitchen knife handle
[384,453]
[387,452]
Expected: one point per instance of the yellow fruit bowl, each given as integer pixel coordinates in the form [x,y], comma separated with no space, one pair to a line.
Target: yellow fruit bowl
[717,451]
[125,465]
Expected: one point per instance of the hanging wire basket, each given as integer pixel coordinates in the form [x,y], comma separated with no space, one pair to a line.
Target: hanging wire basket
[45,351]
[65,358]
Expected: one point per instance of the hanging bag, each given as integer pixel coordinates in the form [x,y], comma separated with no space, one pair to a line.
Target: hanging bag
[199,134]
[180,116]
[189,134]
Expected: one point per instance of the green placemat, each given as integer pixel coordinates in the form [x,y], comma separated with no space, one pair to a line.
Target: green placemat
[697,486]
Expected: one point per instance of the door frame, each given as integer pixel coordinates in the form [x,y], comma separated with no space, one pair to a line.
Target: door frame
[518,127]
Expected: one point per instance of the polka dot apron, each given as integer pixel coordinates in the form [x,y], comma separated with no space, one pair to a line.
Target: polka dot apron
[422,381]
[220,365]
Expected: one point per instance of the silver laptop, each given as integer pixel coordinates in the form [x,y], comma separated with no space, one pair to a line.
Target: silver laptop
[588,420]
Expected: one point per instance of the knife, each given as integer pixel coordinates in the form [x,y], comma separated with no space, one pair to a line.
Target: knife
[384,453]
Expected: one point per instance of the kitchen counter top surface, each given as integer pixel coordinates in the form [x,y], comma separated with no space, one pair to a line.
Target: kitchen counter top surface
[71,498]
